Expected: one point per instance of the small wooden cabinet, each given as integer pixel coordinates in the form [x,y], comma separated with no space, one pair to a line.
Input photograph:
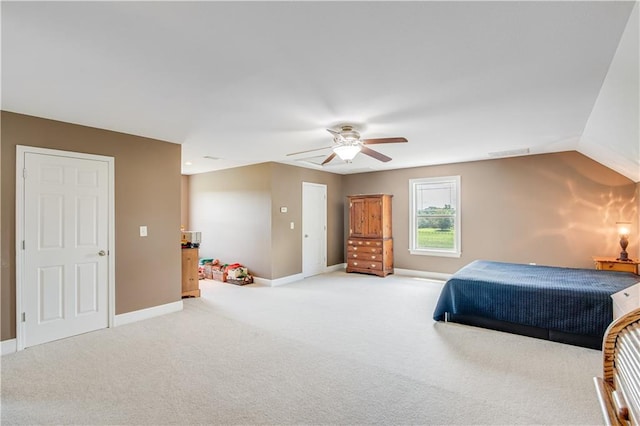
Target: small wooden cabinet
[190,283]
[612,264]
[370,241]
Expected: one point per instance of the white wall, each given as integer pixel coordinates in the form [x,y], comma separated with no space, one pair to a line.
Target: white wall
[232,210]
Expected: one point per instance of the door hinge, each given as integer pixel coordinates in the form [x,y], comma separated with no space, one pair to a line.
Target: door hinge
[24,173]
[24,317]
[23,245]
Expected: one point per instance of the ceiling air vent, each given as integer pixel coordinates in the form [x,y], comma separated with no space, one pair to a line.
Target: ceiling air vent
[509,153]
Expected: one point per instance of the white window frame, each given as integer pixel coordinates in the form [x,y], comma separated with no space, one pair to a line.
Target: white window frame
[413,223]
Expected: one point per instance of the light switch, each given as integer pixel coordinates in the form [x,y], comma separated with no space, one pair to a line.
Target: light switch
[292,225]
[143,231]
[283,209]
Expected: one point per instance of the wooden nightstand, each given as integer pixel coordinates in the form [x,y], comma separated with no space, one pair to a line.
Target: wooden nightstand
[611,264]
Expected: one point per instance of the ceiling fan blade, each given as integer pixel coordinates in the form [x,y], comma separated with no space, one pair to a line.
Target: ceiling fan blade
[309,150]
[375,154]
[333,132]
[383,140]
[329,158]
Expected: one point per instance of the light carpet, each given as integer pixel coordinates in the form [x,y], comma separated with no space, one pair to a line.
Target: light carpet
[331,349]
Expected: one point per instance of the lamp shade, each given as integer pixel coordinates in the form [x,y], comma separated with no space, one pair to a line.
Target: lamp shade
[347,152]
[624,228]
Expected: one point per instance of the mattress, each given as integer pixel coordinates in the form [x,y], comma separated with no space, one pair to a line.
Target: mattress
[564,304]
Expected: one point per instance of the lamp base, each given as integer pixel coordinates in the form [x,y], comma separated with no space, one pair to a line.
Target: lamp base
[624,257]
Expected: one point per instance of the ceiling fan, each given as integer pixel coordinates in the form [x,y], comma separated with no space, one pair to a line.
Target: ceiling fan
[347,144]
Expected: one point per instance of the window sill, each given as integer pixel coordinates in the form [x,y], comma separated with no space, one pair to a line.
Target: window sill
[435,253]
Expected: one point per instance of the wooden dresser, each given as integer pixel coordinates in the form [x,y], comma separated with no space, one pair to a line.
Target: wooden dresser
[190,283]
[370,241]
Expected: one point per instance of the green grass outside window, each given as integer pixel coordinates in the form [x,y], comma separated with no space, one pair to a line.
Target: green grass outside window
[432,238]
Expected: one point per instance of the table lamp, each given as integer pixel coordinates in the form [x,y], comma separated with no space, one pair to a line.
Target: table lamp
[624,229]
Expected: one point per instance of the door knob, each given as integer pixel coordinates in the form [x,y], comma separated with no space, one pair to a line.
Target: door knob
[102,253]
[306,235]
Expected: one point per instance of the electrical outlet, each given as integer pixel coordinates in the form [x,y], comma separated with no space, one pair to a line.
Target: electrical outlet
[143,231]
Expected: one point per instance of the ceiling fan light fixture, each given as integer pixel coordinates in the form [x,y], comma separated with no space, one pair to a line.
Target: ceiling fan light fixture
[347,152]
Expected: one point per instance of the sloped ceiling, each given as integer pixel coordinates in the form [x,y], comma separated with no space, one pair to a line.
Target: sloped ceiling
[238,83]
[612,133]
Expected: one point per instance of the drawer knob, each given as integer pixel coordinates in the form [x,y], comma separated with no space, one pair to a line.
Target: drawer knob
[373,265]
[355,263]
[355,255]
[373,257]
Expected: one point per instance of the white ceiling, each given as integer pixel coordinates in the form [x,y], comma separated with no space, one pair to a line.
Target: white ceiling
[249,82]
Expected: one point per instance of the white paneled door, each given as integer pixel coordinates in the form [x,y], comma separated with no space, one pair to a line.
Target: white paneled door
[64,283]
[314,229]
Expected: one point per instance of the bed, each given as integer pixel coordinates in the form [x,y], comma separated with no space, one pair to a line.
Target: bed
[566,305]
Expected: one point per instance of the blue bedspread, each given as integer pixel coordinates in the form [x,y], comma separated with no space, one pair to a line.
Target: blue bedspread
[562,299]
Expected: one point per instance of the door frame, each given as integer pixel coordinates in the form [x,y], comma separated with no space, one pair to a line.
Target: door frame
[21,150]
[324,224]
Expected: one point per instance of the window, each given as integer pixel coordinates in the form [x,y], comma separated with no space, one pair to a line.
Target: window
[435,216]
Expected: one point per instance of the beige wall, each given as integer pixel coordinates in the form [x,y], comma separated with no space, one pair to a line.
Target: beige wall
[554,209]
[287,191]
[147,190]
[238,212]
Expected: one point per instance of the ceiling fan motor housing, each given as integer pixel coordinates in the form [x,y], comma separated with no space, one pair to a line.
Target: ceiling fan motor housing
[349,135]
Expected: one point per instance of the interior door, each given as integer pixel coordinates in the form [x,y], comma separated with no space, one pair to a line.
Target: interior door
[65,282]
[314,228]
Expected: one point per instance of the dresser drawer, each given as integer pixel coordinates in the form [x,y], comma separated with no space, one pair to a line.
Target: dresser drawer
[365,256]
[364,249]
[364,243]
[618,266]
[364,264]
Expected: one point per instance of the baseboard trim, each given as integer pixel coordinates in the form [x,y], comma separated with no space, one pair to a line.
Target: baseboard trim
[9,346]
[422,274]
[296,277]
[278,281]
[338,267]
[147,313]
